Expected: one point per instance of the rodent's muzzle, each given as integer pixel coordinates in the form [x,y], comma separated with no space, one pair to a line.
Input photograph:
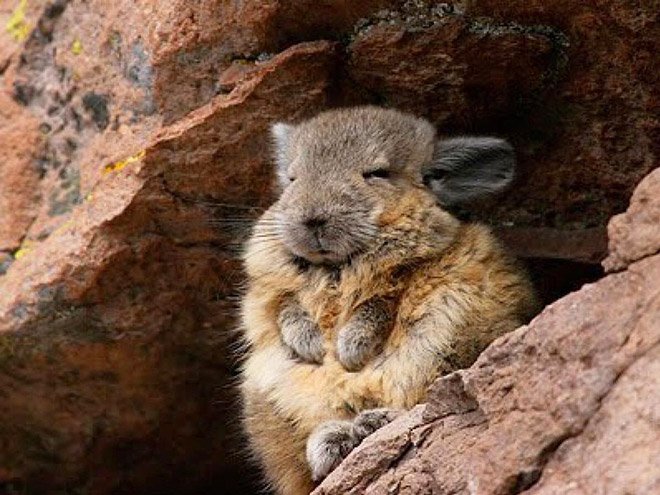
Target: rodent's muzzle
[313,238]
[322,238]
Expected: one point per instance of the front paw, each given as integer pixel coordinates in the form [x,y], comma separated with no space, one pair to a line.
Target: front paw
[356,344]
[371,420]
[327,446]
[301,335]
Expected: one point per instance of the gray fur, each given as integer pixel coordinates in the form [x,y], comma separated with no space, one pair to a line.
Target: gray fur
[363,336]
[332,441]
[327,446]
[367,422]
[301,334]
[281,133]
[465,168]
[339,170]
[328,212]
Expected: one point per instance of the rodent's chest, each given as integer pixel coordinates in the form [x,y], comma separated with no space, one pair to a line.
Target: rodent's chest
[329,304]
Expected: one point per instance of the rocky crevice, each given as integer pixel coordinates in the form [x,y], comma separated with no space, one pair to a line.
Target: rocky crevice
[137,154]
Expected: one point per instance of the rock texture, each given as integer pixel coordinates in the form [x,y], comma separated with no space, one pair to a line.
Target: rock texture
[120,321]
[136,153]
[632,234]
[568,404]
[19,137]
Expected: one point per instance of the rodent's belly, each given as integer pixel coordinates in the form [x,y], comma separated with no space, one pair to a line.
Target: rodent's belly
[311,394]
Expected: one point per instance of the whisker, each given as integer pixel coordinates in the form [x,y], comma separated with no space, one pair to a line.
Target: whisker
[220,204]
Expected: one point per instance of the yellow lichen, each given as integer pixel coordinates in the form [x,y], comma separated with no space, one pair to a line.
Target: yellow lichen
[25,248]
[61,227]
[115,167]
[76,47]
[89,196]
[115,41]
[17,26]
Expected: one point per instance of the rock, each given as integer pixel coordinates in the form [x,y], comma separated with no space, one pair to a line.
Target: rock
[621,440]
[72,76]
[19,177]
[192,43]
[633,234]
[17,20]
[137,154]
[428,62]
[589,140]
[585,245]
[546,409]
[114,349]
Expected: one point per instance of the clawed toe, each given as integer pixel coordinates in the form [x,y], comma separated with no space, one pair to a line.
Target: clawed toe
[371,420]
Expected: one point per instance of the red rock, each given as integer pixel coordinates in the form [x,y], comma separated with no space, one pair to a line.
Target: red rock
[633,233]
[192,43]
[586,245]
[19,177]
[594,134]
[17,19]
[152,154]
[117,322]
[88,109]
[617,449]
[432,64]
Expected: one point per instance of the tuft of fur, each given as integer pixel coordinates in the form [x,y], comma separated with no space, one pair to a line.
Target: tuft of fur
[362,289]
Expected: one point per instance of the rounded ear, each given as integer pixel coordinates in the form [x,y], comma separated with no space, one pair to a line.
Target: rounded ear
[465,168]
[281,134]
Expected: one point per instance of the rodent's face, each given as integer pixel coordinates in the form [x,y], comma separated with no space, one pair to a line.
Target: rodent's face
[344,174]
[340,173]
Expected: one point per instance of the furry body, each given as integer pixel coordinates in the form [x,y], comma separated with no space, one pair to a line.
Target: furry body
[449,289]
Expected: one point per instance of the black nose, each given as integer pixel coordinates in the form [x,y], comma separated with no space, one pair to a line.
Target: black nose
[314,223]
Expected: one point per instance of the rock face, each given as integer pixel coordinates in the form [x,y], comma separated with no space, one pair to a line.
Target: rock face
[568,404]
[119,322]
[632,234]
[19,137]
[136,153]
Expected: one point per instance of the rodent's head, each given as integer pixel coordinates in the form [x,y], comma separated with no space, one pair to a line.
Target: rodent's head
[342,171]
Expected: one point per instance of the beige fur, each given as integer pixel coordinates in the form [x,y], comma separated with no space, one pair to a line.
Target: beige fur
[454,290]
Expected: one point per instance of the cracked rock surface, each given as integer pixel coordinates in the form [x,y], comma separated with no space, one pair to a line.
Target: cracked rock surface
[567,404]
[135,154]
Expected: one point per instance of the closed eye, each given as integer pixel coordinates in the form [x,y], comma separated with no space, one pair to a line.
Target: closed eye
[379,173]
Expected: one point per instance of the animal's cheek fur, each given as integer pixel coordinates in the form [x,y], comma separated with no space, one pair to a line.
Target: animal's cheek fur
[405,205]
[391,214]
[378,202]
